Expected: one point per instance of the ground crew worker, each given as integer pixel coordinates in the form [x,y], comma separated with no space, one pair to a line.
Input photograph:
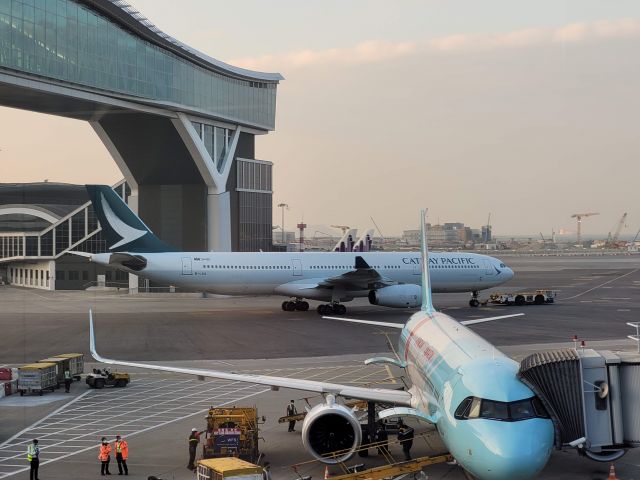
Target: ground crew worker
[405,437]
[292,410]
[266,471]
[122,453]
[194,439]
[33,455]
[67,381]
[104,455]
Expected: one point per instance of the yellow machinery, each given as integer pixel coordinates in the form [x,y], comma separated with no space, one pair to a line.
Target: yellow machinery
[232,432]
[228,468]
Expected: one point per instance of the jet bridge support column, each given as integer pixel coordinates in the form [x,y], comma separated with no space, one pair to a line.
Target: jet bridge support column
[215,177]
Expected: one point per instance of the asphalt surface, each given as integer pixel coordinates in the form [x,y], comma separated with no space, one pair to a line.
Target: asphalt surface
[596,297]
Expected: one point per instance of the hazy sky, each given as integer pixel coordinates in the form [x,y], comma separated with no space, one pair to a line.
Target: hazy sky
[528,110]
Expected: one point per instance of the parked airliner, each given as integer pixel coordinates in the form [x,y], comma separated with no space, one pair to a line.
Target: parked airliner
[490,421]
[387,279]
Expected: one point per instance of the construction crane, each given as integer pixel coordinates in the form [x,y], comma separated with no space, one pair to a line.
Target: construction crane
[612,241]
[579,217]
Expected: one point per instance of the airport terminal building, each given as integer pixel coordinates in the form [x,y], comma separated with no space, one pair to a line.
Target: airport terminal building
[180,125]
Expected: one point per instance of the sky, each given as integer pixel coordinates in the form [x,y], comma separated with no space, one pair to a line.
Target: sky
[527,110]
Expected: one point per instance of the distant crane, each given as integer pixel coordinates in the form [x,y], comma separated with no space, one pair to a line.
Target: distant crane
[378,228]
[579,217]
[612,241]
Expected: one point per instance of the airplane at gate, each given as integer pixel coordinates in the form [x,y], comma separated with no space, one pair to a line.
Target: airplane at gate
[390,279]
[491,422]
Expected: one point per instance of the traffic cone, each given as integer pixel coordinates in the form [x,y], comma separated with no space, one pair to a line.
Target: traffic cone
[612,473]
[326,472]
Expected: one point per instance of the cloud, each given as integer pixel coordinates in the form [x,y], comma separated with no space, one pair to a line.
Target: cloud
[375,51]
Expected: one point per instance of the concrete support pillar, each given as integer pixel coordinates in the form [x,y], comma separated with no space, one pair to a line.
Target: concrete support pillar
[218,198]
[218,221]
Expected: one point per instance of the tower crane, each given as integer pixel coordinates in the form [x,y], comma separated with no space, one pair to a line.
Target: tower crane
[612,241]
[579,217]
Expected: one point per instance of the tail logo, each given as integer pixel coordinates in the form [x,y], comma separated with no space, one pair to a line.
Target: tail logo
[128,233]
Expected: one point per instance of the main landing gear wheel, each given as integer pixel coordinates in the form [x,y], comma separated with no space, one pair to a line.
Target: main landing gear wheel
[290,306]
[474,299]
[335,309]
[302,306]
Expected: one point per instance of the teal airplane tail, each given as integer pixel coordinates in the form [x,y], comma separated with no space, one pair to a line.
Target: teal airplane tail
[122,229]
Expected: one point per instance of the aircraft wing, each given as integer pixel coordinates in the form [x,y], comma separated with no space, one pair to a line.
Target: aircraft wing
[397,397]
[362,277]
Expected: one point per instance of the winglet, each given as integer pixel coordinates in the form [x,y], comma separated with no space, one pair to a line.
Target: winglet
[427,301]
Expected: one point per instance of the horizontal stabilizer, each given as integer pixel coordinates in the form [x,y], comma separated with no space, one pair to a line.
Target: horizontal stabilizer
[367,322]
[490,319]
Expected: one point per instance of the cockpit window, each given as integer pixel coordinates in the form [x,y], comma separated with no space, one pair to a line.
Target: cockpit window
[473,407]
[502,265]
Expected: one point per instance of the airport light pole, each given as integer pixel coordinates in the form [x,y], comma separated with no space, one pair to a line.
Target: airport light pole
[283,206]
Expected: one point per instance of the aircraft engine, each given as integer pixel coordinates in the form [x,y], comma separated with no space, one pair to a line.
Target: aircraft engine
[398,296]
[331,427]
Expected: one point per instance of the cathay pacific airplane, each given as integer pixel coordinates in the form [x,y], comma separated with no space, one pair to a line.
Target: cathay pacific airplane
[387,279]
[491,422]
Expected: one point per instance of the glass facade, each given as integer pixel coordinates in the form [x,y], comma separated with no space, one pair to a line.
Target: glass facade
[255,204]
[67,41]
[216,141]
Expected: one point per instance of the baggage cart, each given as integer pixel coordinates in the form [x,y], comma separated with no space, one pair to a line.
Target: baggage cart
[59,363]
[231,468]
[75,363]
[232,431]
[36,378]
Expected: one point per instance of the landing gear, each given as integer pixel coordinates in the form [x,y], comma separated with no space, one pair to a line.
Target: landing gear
[332,309]
[290,306]
[474,302]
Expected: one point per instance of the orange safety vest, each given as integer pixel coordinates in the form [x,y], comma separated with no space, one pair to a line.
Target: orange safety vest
[105,452]
[123,448]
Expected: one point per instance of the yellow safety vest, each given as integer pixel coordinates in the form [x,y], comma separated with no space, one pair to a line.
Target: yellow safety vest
[32,451]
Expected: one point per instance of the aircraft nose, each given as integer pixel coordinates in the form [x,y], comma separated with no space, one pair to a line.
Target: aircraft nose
[508,273]
[520,452]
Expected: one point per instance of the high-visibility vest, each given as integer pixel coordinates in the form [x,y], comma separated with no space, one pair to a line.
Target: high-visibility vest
[32,452]
[105,452]
[67,375]
[194,438]
[122,448]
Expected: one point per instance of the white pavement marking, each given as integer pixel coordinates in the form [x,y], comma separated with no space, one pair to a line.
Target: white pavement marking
[602,284]
[75,428]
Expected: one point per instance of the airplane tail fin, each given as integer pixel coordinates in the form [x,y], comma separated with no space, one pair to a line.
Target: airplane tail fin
[122,229]
[427,299]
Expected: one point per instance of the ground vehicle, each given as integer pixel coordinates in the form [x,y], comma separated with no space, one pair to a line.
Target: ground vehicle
[37,377]
[74,362]
[59,363]
[232,432]
[104,378]
[539,297]
[228,468]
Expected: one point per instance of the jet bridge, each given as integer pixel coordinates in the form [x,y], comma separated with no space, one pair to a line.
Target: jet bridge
[591,397]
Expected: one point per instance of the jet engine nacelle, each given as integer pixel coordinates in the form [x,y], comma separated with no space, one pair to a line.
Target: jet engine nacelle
[398,296]
[331,427]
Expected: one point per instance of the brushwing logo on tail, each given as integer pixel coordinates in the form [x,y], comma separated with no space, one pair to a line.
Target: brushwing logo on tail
[128,233]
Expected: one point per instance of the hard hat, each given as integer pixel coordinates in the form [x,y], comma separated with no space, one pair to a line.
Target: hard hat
[194,429]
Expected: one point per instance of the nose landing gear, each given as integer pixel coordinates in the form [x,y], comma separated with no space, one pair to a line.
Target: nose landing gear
[474,302]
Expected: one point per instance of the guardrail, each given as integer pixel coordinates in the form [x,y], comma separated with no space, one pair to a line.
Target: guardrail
[636,337]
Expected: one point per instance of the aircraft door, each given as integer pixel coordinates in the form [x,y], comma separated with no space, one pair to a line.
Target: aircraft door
[296,264]
[187,268]
[488,268]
